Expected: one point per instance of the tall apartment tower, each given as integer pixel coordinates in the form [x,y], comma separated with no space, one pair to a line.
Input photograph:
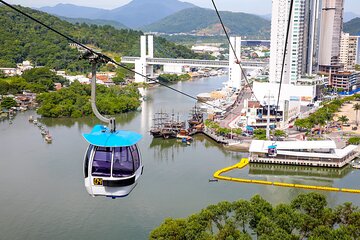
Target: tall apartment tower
[348,51]
[330,32]
[301,56]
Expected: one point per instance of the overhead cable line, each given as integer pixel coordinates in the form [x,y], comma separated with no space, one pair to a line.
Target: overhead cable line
[285,52]
[232,48]
[103,56]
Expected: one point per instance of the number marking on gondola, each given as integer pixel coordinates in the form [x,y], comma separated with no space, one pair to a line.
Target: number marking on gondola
[98,181]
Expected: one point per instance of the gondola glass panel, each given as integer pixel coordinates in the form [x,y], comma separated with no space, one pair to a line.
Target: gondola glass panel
[102,162]
[123,163]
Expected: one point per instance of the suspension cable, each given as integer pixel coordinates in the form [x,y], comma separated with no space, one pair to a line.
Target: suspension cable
[285,52]
[233,50]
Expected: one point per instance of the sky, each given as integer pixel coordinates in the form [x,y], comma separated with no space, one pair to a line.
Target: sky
[249,6]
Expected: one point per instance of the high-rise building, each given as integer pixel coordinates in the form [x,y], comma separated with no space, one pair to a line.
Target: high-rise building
[330,32]
[348,51]
[301,57]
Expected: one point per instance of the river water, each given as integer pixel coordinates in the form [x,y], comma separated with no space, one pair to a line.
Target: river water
[43,195]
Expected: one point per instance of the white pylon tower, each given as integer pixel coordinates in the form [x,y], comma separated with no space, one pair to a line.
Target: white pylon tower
[235,75]
[146,51]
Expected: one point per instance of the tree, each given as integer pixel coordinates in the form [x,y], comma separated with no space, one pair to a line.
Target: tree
[354,140]
[356,107]
[237,131]
[307,217]
[243,213]
[4,87]
[74,101]
[8,103]
[344,119]
[261,208]
[344,212]
[279,133]
[340,89]
[2,74]
[173,77]
[170,229]
[260,134]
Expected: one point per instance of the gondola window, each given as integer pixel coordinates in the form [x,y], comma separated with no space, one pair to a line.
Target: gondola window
[102,162]
[123,162]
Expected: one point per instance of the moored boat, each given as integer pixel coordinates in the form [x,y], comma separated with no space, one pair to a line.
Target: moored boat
[48,138]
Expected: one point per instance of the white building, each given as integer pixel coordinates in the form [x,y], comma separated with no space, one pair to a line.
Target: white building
[305,153]
[348,51]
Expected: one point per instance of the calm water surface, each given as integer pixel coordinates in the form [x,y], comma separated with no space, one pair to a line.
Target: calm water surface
[43,195]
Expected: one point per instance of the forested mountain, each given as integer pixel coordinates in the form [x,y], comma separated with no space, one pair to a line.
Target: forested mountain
[99,22]
[135,14]
[22,39]
[74,11]
[353,27]
[139,13]
[205,21]
[350,16]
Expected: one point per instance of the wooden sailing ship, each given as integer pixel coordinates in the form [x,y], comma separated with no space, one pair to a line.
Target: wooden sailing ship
[166,126]
[196,117]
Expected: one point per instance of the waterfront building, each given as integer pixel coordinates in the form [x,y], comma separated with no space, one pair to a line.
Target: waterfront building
[304,153]
[349,51]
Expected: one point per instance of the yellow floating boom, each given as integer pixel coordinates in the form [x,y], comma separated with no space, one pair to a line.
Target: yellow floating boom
[244,162]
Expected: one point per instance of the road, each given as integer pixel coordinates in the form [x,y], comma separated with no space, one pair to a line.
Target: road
[235,113]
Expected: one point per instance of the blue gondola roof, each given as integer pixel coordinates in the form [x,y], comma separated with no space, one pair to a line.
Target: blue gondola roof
[102,137]
[248,128]
[272,146]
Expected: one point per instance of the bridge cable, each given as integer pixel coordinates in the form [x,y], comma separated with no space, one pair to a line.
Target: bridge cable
[233,50]
[105,57]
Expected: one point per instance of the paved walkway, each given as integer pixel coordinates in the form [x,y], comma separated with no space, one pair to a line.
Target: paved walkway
[235,113]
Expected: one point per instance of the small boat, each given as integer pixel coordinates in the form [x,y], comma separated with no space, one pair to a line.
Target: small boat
[43,132]
[355,164]
[35,121]
[31,119]
[48,138]
[184,134]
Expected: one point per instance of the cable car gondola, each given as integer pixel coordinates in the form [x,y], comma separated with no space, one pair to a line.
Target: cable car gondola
[112,162]
[272,151]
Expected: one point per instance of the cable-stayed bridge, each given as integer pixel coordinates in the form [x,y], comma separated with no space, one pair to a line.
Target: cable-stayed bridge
[144,63]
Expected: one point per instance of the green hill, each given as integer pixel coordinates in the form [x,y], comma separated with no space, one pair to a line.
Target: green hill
[352,27]
[99,22]
[205,21]
[22,39]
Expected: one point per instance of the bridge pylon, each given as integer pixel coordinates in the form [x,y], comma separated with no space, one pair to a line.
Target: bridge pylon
[235,75]
[146,51]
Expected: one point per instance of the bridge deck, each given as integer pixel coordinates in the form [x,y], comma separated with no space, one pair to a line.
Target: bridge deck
[193,62]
